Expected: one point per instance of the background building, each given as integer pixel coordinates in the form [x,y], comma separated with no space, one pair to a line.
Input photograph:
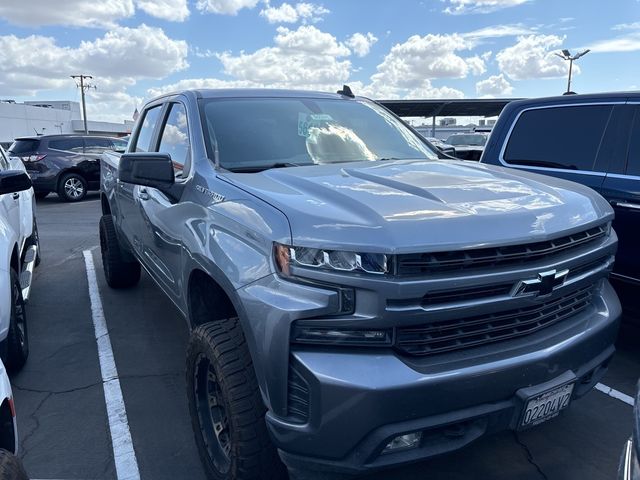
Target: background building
[50,117]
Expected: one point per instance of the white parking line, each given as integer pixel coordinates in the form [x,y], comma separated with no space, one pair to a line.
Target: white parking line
[623,397]
[123,453]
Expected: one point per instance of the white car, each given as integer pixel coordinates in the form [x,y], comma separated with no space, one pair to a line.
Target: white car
[10,465]
[19,247]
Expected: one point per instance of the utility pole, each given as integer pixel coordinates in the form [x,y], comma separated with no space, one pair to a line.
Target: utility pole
[566,55]
[84,86]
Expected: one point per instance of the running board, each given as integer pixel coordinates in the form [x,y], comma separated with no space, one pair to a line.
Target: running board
[27,271]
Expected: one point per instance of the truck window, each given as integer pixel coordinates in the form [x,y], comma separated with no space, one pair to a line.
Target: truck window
[633,158]
[558,137]
[175,138]
[145,135]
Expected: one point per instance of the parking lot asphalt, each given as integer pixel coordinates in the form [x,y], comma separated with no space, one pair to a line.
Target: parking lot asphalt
[62,417]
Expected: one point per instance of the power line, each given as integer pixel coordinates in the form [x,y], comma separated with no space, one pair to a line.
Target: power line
[84,86]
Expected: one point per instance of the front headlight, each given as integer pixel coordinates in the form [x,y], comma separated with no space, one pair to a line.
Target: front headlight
[341,261]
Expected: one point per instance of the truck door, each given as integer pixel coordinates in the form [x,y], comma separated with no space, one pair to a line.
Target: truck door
[131,222]
[165,217]
[622,189]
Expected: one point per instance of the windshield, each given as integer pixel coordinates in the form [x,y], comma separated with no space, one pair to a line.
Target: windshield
[474,140]
[255,133]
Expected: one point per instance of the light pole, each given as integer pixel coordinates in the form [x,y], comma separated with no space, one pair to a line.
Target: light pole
[566,55]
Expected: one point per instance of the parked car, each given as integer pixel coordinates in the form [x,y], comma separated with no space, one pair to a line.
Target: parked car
[10,465]
[590,139]
[355,303]
[630,461]
[66,164]
[469,146]
[442,146]
[19,246]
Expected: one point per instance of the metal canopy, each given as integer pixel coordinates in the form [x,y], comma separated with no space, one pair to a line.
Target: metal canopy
[481,107]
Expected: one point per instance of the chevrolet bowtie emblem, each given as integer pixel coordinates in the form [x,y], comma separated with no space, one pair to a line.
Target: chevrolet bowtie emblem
[543,285]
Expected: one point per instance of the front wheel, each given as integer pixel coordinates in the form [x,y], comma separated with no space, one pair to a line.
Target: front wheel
[17,342]
[72,188]
[227,412]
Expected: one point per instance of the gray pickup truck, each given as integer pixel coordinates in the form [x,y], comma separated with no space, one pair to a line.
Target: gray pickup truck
[355,302]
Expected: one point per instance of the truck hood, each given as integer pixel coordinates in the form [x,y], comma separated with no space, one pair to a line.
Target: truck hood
[404,206]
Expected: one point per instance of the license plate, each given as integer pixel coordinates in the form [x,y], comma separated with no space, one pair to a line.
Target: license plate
[546,405]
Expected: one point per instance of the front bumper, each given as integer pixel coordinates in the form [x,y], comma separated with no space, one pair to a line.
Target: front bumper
[359,400]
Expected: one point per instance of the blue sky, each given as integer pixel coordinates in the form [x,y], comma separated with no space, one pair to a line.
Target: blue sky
[384,49]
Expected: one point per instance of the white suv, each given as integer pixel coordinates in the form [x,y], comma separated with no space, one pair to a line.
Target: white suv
[19,248]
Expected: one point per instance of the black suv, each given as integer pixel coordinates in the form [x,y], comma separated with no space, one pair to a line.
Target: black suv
[66,164]
[590,139]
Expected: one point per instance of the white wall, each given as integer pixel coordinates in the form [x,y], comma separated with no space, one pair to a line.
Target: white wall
[18,120]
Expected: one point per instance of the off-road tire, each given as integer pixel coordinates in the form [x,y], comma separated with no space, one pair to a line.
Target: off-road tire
[72,187]
[17,341]
[11,467]
[118,272]
[218,354]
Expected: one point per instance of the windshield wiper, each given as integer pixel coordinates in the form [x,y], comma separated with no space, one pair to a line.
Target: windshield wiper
[542,163]
[260,168]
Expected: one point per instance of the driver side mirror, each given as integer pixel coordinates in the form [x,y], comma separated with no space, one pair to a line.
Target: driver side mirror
[14,181]
[148,169]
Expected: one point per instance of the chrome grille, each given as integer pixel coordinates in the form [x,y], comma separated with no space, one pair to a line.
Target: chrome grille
[459,334]
[422,263]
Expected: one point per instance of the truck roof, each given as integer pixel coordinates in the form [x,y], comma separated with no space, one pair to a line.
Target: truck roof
[251,93]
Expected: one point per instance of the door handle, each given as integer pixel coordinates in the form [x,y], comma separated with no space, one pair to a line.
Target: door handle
[16,196]
[631,206]
[143,194]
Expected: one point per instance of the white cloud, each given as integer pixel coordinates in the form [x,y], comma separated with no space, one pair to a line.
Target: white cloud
[116,60]
[461,7]
[625,43]
[286,13]
[112,106]
[627,26]
[494,86]
[69,12]
[476,65]
[497,31]
[80,13]
[361,43]
[175,10]
[408,64]
[533,57]
[426,90]
[202,83]
[303,58]
[225,7]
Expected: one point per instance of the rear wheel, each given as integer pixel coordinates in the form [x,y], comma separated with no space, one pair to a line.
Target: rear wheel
[72,187]
[118,272]
[17,342]
[227,412]
[11,467]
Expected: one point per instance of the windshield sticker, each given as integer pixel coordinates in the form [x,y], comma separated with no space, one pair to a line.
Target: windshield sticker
[307,121]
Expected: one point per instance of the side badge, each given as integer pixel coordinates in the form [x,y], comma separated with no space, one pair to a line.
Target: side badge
[216,197]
